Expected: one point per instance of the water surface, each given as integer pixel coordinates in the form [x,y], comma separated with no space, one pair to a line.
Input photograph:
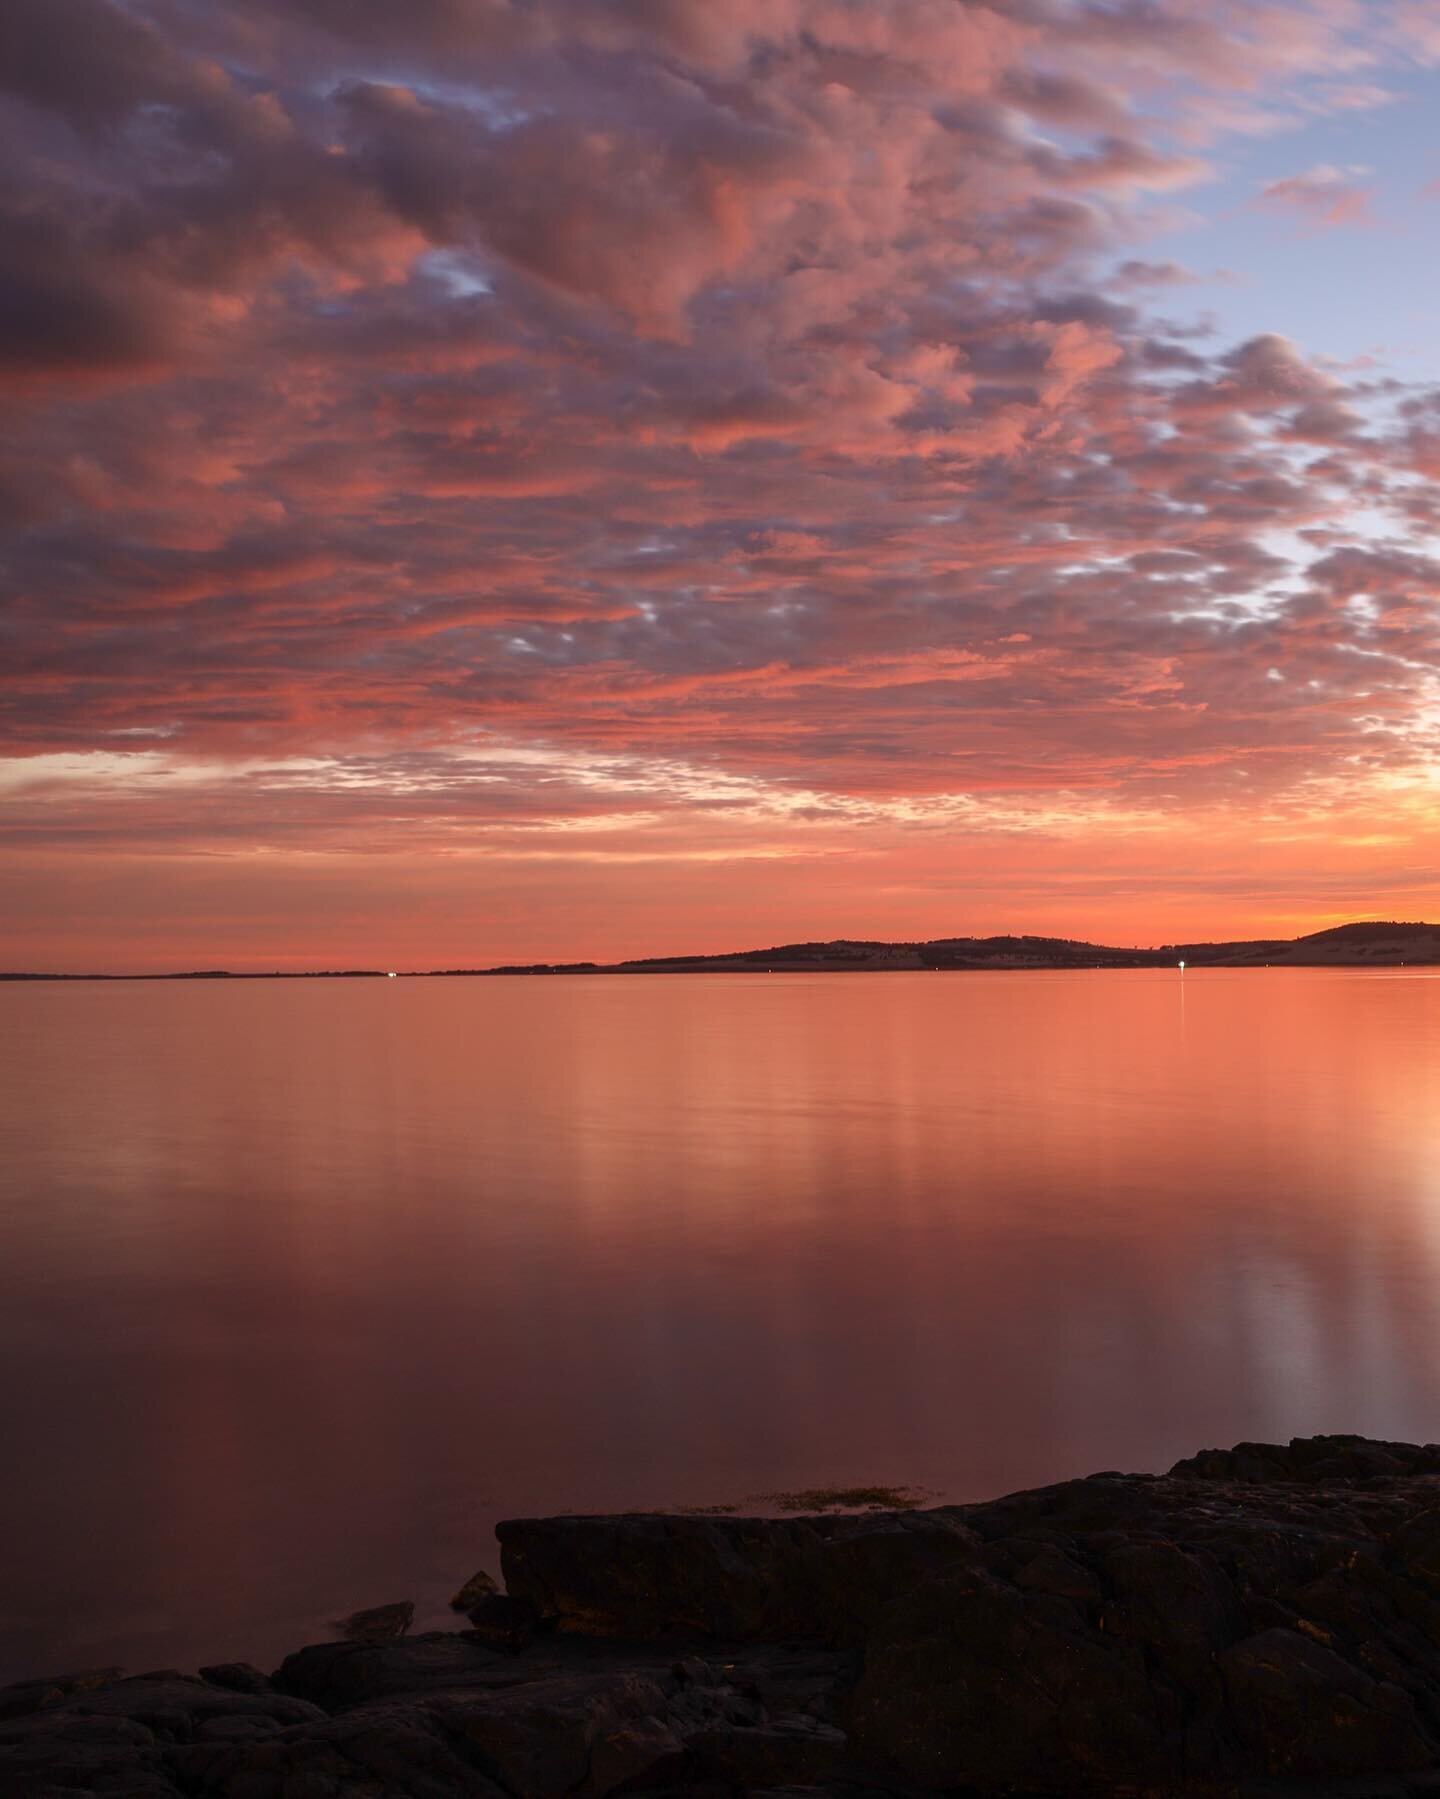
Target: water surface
[304,1284]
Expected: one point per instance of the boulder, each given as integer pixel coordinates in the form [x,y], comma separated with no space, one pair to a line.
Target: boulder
[378,1623]
[479,1586]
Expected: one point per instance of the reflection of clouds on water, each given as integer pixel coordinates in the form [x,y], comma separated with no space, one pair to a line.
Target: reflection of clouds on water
[304,1251]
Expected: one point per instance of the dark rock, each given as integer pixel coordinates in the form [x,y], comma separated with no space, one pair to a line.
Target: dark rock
[1215,1630]
[784,1752]
[504,1622]
[35,1695]
[580,1735]
[1315,1460]
[479,1586]
[377,1624]
[340,1675]
[585,1730]
[646,1576]
[1263,1623]
[436,1714]
[1300,1709]
[972,1680]
[53,1755]
[131,1738]
[174,1706]
[384,1752]
[239,1677]
[792,1680]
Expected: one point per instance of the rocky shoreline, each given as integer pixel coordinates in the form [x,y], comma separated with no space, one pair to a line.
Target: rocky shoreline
[1259,1621]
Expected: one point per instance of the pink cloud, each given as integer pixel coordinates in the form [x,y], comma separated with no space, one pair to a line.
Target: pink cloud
[1324,197]
[728,385]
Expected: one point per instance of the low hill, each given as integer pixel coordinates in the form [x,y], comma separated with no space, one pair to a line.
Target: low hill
[1349,945]
[1362,945]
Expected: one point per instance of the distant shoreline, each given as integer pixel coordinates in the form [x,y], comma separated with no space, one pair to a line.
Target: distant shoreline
[1363,945]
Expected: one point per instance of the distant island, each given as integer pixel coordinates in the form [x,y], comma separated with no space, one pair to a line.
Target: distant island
[1387,945]
[1346,945]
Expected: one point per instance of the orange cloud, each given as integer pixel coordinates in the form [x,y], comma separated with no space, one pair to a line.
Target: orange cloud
[711,411]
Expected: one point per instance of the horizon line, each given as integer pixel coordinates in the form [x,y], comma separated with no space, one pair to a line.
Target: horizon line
[746,959]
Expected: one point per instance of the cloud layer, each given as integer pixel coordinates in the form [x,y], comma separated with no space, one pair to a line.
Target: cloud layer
[577,432]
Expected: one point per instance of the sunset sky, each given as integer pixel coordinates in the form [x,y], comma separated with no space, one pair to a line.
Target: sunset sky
[490,480]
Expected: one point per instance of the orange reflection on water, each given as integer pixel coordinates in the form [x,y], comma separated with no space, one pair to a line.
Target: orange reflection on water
[303,1284]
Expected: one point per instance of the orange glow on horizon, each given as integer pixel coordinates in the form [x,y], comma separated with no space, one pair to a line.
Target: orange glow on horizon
[787,471]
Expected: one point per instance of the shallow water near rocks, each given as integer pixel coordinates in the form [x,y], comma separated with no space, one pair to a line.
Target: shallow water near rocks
[304,1284]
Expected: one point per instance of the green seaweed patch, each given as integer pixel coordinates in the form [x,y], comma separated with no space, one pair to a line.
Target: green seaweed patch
[848,1499]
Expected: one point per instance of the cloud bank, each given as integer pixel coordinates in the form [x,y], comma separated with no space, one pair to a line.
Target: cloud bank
[566,435]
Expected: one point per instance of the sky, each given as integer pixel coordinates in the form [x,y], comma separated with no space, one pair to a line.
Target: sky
[508,480]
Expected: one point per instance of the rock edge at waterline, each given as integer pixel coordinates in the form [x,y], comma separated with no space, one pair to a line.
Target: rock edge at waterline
[1261,1620]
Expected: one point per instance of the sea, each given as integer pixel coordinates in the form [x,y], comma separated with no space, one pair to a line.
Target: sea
[305,1284]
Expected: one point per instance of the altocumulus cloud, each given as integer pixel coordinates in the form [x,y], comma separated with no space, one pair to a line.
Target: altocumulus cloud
[480,416]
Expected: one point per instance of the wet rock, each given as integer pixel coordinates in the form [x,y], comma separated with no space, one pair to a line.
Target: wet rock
[378,1623]
[479,1586]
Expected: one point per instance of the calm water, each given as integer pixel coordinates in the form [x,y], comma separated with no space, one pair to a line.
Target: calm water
[302,1285]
